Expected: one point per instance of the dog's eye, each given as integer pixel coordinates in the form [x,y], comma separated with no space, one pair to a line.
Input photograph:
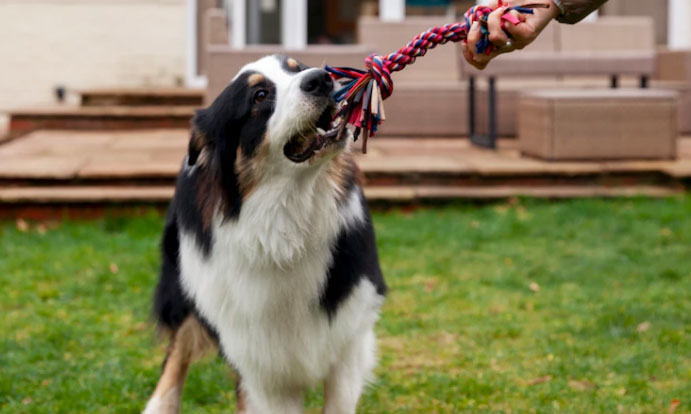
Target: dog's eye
[260,96]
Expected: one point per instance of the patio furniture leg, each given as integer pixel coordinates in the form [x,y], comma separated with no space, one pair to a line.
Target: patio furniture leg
[471,106]
[489,140]
[644,82]
[492,142]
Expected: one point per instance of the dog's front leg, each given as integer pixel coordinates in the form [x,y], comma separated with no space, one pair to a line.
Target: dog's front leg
[261,400]
[188,344]
[348,377]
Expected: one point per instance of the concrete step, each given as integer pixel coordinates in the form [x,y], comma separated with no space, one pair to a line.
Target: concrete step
[142,97]
[101,118]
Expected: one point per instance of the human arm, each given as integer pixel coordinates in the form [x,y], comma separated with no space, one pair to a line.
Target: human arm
[573,11]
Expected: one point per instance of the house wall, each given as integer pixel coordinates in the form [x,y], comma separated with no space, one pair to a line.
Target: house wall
[88,43]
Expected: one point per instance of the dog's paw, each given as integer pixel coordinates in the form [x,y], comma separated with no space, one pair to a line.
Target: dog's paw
[168,404]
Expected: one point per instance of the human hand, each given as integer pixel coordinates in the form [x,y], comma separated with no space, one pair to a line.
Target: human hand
[519,35]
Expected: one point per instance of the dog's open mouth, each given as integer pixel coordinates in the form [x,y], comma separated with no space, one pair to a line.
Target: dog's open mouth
[305,144]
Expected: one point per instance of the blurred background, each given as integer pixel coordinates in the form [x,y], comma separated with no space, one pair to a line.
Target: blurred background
[532,219]
[120,80]
[124,43]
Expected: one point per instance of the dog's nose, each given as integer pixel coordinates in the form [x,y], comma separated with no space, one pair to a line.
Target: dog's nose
[317,82]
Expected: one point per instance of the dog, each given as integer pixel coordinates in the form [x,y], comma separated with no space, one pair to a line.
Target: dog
[268,251]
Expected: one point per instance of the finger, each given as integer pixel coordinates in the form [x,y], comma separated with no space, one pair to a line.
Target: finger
[479,65]
[496,33]
[470,57]
[465,48]
[481,61]
[519,16]
[522,33]
[474,36]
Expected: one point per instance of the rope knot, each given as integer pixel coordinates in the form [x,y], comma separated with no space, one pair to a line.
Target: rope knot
[378,67]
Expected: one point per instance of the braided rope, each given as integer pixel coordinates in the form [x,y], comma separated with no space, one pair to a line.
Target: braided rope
[366,90]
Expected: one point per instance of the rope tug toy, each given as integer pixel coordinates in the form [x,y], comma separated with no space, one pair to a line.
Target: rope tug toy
[366,90]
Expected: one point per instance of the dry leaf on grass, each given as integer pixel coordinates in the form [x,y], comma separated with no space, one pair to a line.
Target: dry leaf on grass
[644,326]
[430,284]
[583,385]
[114,268]
[673,405]
[534,287]
[501,210]
[22,225]
[540,380]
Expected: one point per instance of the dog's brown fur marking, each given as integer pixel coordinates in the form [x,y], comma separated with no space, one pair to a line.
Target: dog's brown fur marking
[210,198]
[255,79]
[292,63]
[248,167]
[342,170]
[189,343]
[240,397]
[198,144]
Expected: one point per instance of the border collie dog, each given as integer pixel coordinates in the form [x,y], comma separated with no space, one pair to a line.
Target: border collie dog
[268,250]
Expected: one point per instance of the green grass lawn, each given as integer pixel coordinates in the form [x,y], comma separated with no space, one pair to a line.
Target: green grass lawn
[533,307]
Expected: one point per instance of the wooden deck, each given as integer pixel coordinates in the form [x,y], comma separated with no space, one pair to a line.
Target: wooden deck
[48,170]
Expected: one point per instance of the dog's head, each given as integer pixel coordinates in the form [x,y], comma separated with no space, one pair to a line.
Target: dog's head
[275,118]
[275,106]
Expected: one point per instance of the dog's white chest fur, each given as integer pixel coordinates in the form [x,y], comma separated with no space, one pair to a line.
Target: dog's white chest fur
[261,283]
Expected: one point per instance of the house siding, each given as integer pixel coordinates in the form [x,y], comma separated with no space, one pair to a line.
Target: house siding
[88,43]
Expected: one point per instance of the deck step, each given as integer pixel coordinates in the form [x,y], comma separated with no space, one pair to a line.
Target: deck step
[43,203]
[100,118]
[86,194]
[143,97]
[415,194]
[162,194]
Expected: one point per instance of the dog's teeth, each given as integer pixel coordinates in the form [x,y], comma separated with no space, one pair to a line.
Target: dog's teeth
[321,131]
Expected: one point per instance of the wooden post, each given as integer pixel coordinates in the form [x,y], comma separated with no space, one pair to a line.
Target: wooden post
[239,23]
[294,24]
[679,30]
[391,10]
